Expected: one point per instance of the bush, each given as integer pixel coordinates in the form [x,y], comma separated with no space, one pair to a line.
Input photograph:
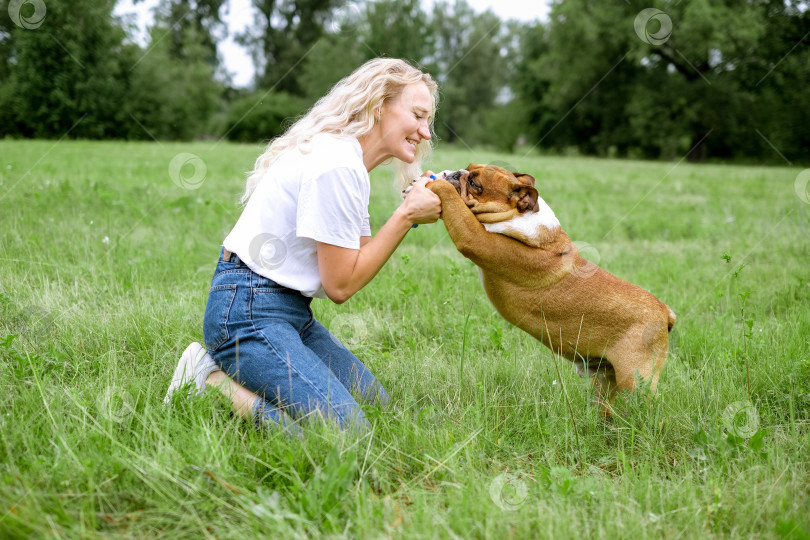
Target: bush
[263,115]
[500,126]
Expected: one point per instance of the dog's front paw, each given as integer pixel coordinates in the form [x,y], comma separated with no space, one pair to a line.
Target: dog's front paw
[441,186]
[433,177]
[408,188]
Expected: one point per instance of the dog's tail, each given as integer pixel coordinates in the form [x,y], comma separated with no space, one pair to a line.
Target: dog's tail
[671,321]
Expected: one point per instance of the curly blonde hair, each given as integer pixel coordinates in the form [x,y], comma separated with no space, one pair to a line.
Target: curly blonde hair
[348,110]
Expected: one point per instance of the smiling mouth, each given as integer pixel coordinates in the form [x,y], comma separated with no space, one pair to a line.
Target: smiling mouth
[412,142]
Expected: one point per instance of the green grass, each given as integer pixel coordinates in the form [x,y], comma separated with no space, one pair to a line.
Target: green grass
[104,268]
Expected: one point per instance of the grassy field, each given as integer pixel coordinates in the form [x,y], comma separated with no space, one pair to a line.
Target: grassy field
[106,255]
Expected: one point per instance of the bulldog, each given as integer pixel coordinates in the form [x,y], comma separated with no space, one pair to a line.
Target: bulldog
[615,332]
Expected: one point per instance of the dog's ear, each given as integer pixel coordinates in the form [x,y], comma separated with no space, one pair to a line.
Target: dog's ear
[527,199]
[525,179]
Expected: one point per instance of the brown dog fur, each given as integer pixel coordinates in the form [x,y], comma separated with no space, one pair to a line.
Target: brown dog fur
[612,329]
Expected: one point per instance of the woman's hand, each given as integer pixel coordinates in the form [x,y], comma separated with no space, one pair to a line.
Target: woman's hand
[345,271]
[421,205]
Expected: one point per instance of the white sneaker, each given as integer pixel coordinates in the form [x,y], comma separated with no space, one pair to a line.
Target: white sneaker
[194,366]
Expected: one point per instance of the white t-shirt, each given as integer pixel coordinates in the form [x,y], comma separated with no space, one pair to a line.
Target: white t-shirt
[321,195]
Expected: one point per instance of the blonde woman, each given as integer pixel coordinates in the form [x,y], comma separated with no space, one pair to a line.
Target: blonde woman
[304,233]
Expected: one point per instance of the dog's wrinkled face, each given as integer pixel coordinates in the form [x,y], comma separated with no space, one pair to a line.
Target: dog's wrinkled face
[494,194]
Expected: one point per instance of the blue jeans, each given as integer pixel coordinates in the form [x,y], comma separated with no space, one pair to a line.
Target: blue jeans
[263,336]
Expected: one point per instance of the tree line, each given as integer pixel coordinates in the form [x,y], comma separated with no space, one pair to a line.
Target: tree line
[651,79]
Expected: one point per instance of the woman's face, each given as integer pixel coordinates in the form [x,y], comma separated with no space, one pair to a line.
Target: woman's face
[404,122]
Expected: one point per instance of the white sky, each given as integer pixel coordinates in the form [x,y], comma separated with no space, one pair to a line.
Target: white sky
[239,15]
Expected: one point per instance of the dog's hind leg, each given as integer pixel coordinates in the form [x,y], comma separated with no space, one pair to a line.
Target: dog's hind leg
[604,387]
[655,342]
[640,354]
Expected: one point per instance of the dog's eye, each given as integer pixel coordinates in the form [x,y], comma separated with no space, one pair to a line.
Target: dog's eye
[473,184]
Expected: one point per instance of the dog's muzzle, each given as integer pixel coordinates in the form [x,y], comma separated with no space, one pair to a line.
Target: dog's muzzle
[455,177]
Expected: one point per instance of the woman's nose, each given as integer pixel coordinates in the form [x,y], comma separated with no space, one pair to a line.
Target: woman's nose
[424,131]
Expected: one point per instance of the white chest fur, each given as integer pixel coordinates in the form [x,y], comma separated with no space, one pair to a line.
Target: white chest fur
[529,226]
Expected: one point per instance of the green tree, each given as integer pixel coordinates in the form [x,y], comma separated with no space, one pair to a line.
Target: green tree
[76,75]
[397,29]
[8,118]
[780,77]
[506,122]
[350,35]
[578,77]
[530,83]
[282,36]
[337,53]
[168,99]
[468,64]
[709,41]
[666,79]
[6,42]
[172,90]
[191,26]
[354,34]
[331,59]
[472,56]
[62,75]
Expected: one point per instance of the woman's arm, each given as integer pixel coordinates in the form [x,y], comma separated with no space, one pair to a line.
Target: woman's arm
[345,271]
